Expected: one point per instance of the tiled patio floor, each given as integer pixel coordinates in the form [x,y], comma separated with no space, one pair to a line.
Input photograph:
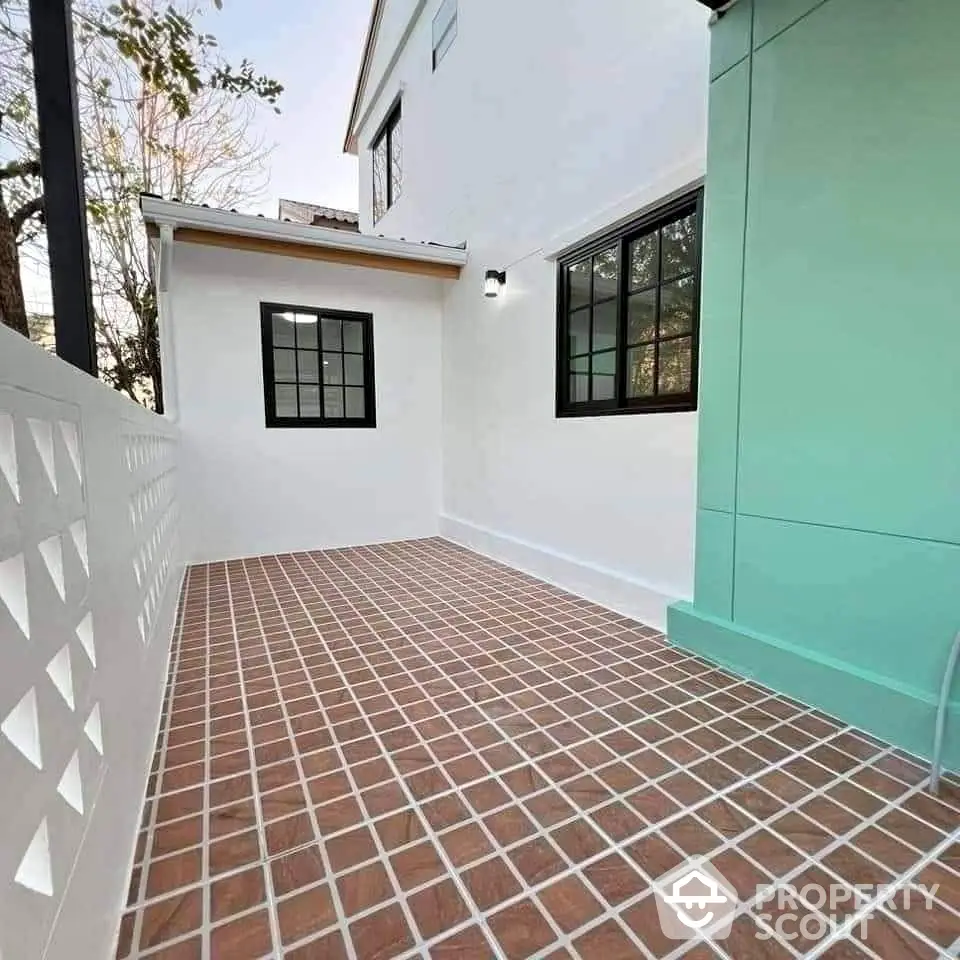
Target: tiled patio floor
[409,750]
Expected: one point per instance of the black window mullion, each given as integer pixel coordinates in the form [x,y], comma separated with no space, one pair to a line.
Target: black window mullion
[388,139]
[656,328]
[621,354]
[654,224]
[590,334]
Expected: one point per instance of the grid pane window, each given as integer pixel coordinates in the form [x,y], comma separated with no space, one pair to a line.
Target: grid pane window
[629,318]
[318,367]
[387,152]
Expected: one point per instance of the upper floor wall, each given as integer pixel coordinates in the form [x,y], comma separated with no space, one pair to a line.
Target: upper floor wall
[540,116]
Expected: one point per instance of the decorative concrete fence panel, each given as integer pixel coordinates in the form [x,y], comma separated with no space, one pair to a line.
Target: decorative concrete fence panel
[90,569]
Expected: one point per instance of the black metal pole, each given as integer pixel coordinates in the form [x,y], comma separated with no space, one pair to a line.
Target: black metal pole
[61,161]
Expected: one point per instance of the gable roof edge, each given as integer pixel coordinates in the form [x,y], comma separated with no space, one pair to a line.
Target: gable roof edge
[376,15]
[357,119]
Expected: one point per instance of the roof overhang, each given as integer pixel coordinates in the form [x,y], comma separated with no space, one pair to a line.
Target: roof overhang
[376,14]
[224,228]
[718,6]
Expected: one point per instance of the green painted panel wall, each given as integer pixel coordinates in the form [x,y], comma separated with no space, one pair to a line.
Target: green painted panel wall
[883,603]
[850,410]
[713,579]
[828,539]
[773,16]
[731,38]
[724,212]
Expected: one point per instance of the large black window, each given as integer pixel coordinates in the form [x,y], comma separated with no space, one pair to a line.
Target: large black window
[387,164]
[317,367]
[628,317]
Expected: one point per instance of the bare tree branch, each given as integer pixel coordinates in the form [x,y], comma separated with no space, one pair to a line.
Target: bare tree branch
[21,215]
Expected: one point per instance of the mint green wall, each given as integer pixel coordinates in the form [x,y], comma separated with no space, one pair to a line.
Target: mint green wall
[828,536]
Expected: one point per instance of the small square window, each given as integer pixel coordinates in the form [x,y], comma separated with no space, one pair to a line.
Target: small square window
[628,317]
[317,367]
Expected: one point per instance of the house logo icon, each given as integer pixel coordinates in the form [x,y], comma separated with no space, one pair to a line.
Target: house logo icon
[695,899]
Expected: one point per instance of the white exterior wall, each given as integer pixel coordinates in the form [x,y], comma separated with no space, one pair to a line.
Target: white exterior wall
[90,565]
[546,121]
[251,490]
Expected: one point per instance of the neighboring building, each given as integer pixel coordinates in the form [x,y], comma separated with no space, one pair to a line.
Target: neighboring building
[555,425]
[317,216]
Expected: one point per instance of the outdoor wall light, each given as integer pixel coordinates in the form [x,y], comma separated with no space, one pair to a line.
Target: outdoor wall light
[493,282]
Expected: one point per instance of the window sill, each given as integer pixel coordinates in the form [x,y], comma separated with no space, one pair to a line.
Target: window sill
[685,405]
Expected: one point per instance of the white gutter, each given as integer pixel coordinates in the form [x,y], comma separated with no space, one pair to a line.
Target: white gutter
[170,213]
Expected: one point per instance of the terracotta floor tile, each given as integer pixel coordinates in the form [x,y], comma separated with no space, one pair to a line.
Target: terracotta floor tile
[462,667]
[247,938]
[399,829]
[350,849]
[283,802]
[438,908]
[490,883]
[570,903]
[191,949]
[304,913]
[381,935]
[509,825]
[172,873]
[644,921]
[549,808]
[466,843]
[616,879]
[171,918]
[416,865]
[801,832]
[445,812]
[537,861]
[617,821]
[237,893]
[180,835]
[287,834]
[521,930]
[850,865]
[235,851]
[654,855]
[329,947]
[891,940]
[470,944]
[295,870]
[364,888]
[692,835]
[606,942]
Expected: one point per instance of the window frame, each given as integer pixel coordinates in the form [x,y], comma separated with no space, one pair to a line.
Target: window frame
[622,237]
[272,421]
[448,35]
[384,136]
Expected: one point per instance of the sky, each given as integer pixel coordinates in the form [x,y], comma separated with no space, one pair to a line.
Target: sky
[313,48]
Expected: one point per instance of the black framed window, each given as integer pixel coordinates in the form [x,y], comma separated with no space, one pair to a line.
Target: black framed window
[629,317]
[388,164]
[444,30]
[317,367]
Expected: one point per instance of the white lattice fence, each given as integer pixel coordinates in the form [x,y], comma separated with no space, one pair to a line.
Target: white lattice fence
[89,570]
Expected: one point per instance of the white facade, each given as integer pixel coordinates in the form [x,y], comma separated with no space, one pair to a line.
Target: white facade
[90,566]
[545,122]
[250,490]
